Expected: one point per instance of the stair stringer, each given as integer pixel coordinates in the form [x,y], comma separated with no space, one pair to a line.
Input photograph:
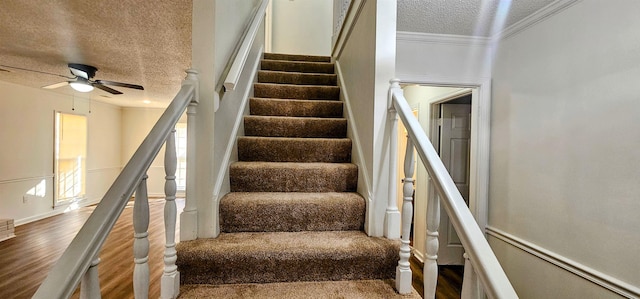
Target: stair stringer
[364,181]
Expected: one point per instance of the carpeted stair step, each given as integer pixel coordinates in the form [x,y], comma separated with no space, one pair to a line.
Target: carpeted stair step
[291,91]
[297,66]
[296,78]
[352,289]
[284,149]
[252,257]
[296,57]
[299,108]
[293,177]
[291,211]
[303,127]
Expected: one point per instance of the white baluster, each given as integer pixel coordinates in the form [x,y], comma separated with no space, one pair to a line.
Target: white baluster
[392,214]
[141,241]
[90,285]
[403,271]
[471,287]
[189,216]
[170,284]
[430,270]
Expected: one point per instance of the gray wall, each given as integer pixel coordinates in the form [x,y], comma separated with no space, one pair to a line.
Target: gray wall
[565,158]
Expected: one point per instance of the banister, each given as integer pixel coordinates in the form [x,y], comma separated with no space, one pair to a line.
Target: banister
[492,276]
[76,259]
[235,71]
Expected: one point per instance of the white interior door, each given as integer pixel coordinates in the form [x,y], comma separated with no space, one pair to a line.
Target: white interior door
[454,149]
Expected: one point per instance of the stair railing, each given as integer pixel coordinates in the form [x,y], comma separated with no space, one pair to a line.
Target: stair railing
[244,47]
[80,260]
[480,261]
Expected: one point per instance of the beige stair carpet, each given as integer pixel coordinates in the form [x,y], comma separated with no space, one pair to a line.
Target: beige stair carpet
[292,226]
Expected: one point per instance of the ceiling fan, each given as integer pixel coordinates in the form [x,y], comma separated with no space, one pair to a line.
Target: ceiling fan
[82,79]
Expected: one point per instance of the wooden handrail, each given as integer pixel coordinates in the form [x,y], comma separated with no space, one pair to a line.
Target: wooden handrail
[491,275]
[74,262]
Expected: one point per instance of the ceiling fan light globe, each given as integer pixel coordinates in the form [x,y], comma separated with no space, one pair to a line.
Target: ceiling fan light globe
[81,86]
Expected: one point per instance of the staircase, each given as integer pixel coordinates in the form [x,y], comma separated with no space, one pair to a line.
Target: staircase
[292,226]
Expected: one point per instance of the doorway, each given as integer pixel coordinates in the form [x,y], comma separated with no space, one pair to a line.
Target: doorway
[428,101]
[70,156]
[451,137]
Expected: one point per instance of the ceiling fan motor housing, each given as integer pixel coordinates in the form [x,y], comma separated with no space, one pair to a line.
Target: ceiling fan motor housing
[82,70]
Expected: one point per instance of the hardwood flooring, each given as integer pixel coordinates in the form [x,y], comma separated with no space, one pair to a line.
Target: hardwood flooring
[449,279]
[26,259]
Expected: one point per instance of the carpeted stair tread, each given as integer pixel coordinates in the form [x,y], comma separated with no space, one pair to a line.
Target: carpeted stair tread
[292,91]
[303,127]
[267,257]
[352,289]
[296,78]
[296,57]
[297,108]
[291,211]
[284,149]
[293,177]
[297,66]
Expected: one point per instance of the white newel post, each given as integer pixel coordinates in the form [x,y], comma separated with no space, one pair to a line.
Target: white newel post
[141,241]
[170,284]
[403,271]
[90,284]
[430,270]
[189,216]
[392,214]
[471,287]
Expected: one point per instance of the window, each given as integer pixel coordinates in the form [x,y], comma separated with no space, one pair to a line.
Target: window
[70,157]
[181,153]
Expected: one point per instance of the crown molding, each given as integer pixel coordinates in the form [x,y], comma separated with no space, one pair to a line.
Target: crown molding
[441,38]
[534,18]
[529,21]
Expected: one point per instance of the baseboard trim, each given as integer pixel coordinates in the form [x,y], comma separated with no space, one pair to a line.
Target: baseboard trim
[418,255]
[606,281]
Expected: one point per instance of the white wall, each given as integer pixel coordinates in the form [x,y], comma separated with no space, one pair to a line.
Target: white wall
[365,64]
[565,148]
[26,159]
[217,26]
[442,57]
[302,27]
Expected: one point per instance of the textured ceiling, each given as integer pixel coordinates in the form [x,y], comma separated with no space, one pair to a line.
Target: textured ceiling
[149,42]
[132,41]
[463,17]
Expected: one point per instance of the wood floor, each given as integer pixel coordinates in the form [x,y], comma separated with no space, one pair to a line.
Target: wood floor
[26,259]
[449,279]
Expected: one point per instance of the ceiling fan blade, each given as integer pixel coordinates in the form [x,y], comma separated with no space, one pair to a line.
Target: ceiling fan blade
[120,84]
[28,70]
[56,85]
[105,88]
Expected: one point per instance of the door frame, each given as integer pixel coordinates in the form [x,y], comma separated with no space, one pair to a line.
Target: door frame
[480,141]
